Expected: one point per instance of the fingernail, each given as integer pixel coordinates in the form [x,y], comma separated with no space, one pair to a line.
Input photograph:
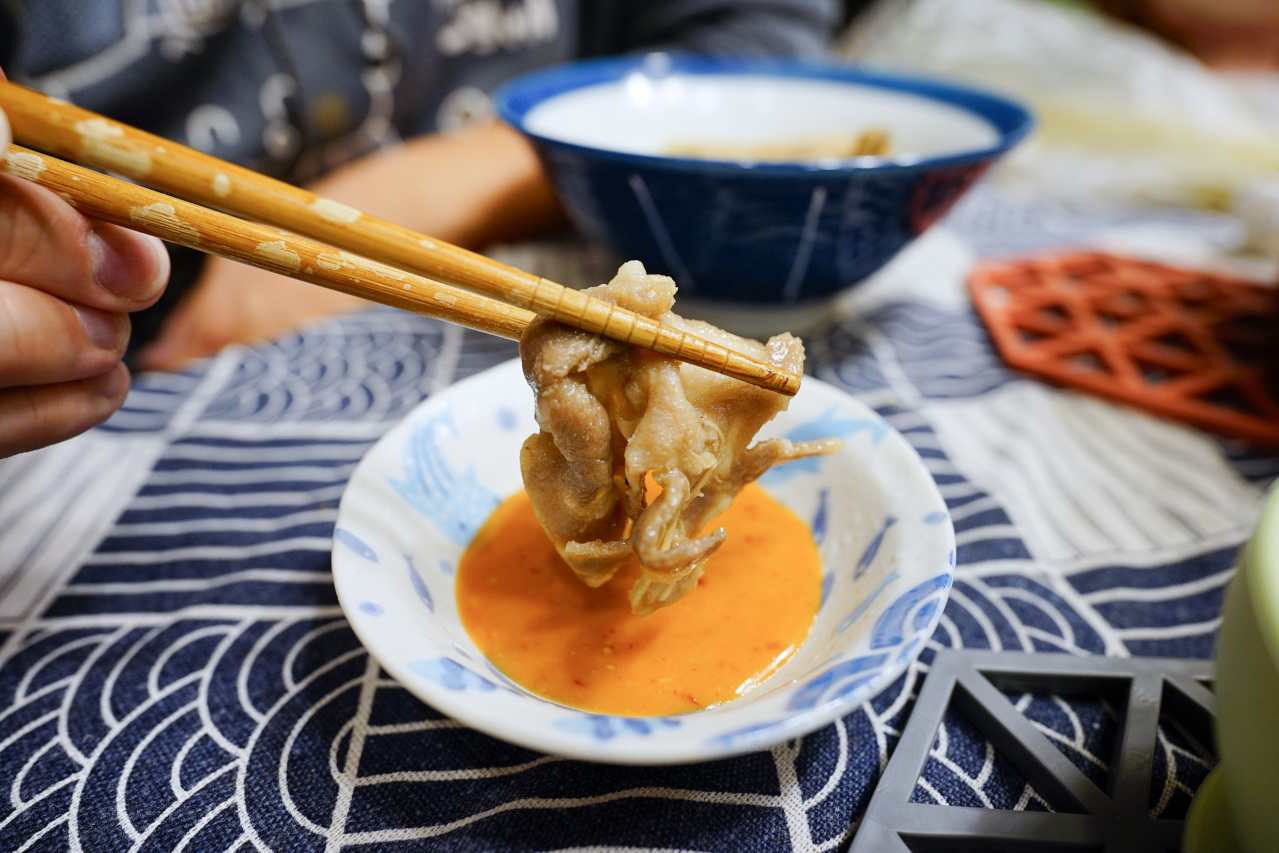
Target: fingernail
[115,271]
[113,384]
[104,330]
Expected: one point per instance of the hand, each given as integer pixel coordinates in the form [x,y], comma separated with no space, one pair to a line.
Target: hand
[67,285]
[472,188]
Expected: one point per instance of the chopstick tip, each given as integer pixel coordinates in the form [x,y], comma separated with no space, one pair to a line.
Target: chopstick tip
[787,383]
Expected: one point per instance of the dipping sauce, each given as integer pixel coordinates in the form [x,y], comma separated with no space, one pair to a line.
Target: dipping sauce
[557,637]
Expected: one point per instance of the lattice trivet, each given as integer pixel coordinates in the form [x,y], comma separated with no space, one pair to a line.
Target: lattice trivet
[1114,818]
[1193,346]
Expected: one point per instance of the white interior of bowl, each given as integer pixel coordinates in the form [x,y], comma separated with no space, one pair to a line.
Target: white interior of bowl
[646,115]
[886,543]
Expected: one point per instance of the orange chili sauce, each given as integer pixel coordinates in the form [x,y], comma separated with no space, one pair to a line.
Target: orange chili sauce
[582,647]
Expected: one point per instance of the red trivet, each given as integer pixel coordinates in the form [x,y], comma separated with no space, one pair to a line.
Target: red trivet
[1193,346]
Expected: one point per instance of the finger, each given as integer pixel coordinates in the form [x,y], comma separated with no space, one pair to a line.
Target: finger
[44,340]
[36,417]
[6,137]
[44,243]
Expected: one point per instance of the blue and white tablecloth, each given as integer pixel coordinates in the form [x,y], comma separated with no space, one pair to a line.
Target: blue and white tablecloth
[175,673]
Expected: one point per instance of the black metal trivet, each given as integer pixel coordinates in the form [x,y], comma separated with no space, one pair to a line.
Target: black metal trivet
[1087,817]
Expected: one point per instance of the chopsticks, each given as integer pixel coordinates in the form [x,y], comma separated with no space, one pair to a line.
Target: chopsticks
[323,242]
[177,221]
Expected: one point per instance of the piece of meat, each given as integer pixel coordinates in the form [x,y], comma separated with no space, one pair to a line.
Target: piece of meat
[613,416]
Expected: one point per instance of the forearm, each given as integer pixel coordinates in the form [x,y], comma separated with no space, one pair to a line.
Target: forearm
[472,188]
[1226,33]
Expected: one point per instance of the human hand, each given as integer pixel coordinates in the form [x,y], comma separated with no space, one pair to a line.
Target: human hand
[67,285]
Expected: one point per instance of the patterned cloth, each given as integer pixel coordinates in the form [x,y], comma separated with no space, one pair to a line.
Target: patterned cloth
[176,674]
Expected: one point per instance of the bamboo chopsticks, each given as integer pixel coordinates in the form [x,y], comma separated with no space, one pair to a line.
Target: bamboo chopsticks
[178,221]
[326,243]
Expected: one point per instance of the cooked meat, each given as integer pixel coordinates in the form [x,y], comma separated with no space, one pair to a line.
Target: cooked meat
[613,416]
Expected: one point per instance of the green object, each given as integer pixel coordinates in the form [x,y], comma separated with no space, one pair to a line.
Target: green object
[1208,825]
[1235,810]
[1081,5]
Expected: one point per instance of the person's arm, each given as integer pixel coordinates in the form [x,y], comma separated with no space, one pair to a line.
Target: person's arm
[67,285]
[1242,34]
[476,187]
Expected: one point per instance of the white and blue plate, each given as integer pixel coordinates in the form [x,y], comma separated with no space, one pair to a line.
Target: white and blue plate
[420,494]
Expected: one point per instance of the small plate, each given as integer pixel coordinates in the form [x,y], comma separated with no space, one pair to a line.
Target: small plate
[421,493]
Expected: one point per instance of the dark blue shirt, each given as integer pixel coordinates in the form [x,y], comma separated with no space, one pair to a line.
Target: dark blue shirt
[294,88]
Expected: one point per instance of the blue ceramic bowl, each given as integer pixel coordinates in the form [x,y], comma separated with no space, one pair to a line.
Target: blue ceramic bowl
[744,232]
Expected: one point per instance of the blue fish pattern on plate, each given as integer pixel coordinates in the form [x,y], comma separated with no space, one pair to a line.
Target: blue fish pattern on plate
[419,585]
[450,674]
[837,680]
[453,500]
[891,627]
[865,603]
[607,727]
[872,548]
[355,543]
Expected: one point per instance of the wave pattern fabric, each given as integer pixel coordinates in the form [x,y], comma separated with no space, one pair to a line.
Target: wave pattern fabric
[175,673]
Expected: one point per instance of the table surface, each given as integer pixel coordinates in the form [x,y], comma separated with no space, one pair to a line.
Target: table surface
[175,672]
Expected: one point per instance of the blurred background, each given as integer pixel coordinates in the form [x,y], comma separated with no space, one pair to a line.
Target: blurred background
[1170,103]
